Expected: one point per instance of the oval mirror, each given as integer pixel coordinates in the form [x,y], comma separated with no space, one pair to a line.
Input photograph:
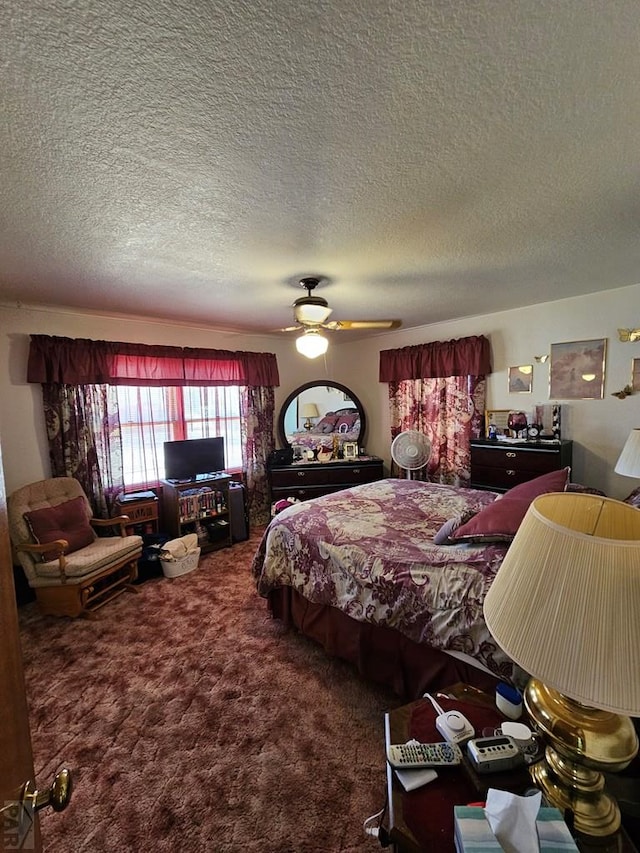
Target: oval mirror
[318,411]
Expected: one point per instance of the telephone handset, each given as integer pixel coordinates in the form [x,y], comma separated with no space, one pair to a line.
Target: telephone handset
[452,725]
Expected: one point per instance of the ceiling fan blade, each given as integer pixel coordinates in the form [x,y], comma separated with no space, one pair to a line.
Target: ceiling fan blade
[335,325]
[290,329]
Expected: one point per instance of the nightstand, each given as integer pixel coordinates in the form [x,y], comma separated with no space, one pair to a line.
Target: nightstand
[142,509]
[422,819]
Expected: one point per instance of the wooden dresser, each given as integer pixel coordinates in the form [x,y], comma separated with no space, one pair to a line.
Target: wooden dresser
[304,480]
[498,466]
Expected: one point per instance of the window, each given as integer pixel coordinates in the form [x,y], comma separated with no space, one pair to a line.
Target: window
[150,416]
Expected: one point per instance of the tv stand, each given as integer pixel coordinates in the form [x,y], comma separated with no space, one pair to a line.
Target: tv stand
[199,506]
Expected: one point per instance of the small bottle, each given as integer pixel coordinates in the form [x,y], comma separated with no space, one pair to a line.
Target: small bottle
[493,432]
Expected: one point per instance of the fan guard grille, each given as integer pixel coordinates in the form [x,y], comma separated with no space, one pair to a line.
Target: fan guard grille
[411,450]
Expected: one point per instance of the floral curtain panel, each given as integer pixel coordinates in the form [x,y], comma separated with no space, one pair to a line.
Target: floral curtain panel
[83,431]
[439,389]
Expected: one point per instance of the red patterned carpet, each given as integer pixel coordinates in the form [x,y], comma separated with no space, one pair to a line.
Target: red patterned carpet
[194,722]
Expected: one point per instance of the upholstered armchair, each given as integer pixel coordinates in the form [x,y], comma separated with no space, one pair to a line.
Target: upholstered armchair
[71,568]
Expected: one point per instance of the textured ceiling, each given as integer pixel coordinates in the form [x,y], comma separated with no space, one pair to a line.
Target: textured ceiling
[190,159]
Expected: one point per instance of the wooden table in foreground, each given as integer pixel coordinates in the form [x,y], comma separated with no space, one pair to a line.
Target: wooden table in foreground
[422,820]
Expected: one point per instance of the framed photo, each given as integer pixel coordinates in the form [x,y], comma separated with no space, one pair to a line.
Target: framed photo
[350,450]
[577,370]
[520,379]
[635,374]
[497,417]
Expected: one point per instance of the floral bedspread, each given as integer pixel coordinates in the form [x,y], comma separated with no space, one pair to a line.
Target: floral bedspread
[369,551]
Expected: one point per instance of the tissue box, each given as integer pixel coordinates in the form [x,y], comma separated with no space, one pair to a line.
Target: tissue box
[473,833]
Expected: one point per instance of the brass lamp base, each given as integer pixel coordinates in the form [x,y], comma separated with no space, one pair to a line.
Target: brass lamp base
[581,743]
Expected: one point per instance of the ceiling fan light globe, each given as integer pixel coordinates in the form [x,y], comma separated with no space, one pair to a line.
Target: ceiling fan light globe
[312,344]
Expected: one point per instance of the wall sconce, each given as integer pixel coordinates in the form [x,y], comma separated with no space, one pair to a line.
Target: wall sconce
[629,335]
[627,391]
[541,358]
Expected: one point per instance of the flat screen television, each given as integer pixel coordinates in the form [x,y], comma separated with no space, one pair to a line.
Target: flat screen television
[195,457]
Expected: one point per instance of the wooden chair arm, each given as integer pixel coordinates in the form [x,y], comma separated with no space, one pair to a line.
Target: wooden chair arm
[119,521]
[58,545]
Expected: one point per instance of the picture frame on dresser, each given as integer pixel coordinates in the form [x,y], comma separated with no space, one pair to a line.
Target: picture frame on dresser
[350,450]
[498,418]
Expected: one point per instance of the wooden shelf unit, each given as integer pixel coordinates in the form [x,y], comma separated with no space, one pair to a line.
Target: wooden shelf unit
[198,506]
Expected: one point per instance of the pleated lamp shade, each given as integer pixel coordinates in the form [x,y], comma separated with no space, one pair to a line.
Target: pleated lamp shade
[629,461]
[565,603]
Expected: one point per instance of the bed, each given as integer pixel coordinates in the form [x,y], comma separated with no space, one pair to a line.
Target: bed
[343,423]
[359,571]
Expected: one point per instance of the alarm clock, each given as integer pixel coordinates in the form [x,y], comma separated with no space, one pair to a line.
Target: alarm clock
[533,431]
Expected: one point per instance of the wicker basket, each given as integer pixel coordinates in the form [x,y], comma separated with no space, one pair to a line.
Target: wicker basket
[175,568]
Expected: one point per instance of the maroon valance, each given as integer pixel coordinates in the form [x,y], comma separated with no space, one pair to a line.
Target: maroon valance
[461,357]
[79,361]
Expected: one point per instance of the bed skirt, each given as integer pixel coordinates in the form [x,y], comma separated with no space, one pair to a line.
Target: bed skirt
[380,654]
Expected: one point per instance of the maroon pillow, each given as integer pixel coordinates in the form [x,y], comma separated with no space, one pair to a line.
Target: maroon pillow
[554,481]
[66,521]
[326,425]
[446,534]
[499,522]
[345,422]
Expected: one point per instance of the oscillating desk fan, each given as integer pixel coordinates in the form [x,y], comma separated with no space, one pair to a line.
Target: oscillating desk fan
[411,450]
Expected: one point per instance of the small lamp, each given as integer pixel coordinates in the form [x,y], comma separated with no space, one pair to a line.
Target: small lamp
[312,344]
[563,606]
[629,462]
[309,410]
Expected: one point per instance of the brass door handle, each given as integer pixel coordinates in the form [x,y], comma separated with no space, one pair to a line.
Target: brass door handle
[57,796]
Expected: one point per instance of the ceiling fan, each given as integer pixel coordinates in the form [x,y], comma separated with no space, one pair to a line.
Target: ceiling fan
[311,314]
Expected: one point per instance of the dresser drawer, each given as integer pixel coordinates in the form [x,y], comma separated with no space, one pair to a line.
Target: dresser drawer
[534,461]
[500,478]
[312,481]
[354,474]
[302,493]
[499,468]
[298,478]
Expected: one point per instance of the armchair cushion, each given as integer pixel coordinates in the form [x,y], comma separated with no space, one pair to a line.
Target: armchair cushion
[67,520]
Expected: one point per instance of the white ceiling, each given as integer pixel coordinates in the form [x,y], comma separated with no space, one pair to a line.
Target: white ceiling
[434,158]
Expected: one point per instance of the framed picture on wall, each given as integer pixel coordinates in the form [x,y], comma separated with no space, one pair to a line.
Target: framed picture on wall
[635,374]
[577,370]
[520,379]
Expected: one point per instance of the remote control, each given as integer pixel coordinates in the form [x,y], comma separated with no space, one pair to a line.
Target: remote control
[413,755]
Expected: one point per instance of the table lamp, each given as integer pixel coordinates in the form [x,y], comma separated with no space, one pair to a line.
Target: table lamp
[628,463]
[309,410]
[564,607]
